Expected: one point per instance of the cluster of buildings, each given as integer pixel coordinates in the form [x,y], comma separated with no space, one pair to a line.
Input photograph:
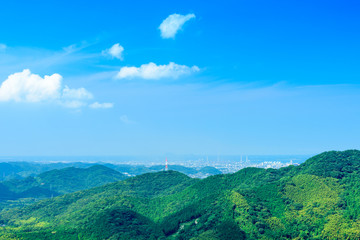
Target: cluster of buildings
[231,165]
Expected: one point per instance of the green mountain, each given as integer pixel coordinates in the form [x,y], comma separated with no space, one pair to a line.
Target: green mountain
[192,172]
[178,168]
[8,170]
[57,182]
[209,170]
[21,170]
[5,193]
[74,179]
[319,199]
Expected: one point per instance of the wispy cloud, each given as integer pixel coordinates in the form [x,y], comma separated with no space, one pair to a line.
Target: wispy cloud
[153,71]
[75,98]
[77,47]
[2,47]
[173,23]
[15,59]
[126,120]
[97,105]
[72,103]
[116,51]
[80,93]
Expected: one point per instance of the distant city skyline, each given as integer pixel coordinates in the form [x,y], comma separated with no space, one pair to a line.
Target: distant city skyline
[226,164]
[115,78]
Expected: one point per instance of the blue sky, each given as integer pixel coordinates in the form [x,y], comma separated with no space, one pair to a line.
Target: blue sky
[185,77]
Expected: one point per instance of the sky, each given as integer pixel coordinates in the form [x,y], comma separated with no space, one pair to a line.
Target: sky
[106,78]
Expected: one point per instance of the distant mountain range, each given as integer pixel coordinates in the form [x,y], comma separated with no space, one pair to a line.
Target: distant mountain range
[56,182]
[317,200]
[63,179]
[20,170]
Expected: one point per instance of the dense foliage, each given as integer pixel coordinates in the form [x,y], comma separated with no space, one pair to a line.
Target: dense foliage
[56,182]
[207,171]
[319,199]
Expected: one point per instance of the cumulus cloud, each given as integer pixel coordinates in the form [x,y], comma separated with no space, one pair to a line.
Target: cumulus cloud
[97,105]
[173,23]
[115,51]
[28,87]
[153,71]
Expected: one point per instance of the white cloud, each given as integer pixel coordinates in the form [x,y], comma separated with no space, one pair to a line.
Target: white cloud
[173,23]
[126,120]
[27,87]
[80,93]
[115,51]
[153,71]
[97,105]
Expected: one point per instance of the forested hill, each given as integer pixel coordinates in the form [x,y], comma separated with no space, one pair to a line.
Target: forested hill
[332,164]
[73,179]
[57,182]
[319,199]
[21,170]
[205,171]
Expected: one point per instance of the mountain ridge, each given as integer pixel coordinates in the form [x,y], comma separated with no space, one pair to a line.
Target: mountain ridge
[296,202]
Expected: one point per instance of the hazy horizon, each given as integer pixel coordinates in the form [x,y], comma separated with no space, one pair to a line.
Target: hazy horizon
[173,159]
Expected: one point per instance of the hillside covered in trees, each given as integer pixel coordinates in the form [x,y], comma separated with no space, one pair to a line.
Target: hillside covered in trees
[20,170]
[56,182]
[27,182]
[317,200]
